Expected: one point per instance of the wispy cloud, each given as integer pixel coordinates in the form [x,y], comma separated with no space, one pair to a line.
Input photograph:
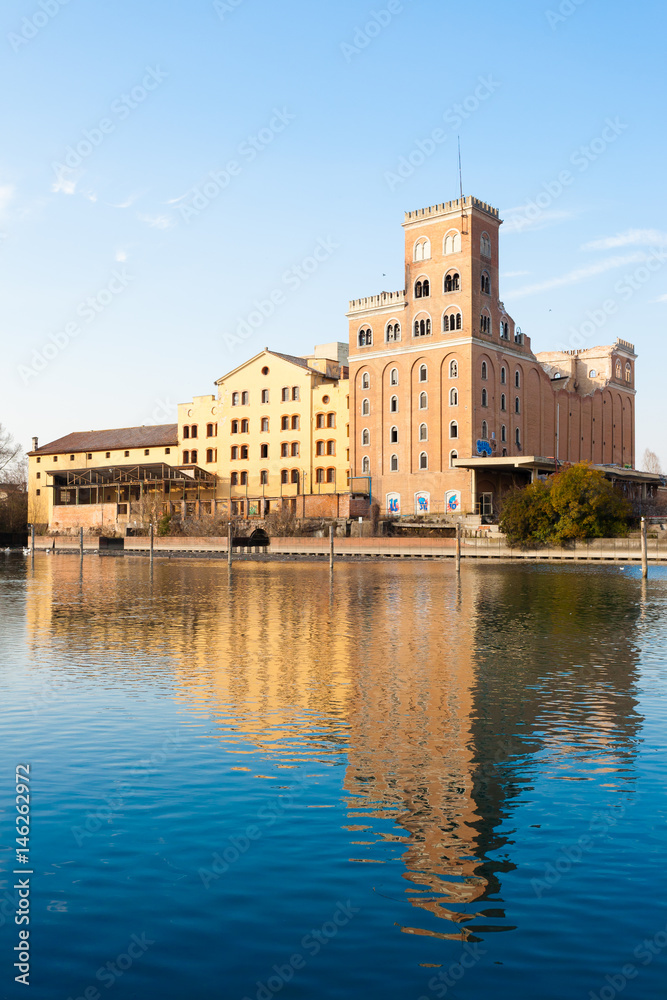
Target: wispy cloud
[125,204]
[630,238]
[661,298]
[157,221]
[580,274]
[66,180]
[522,218]
[514,274]
[7,192]
[175,201]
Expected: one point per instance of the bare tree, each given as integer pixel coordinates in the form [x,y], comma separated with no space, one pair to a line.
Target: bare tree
[12,459]
[651,462]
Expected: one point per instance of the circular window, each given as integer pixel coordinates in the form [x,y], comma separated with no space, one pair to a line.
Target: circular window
[265,370]
[325,399]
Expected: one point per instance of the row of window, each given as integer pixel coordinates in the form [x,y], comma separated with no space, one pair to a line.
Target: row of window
[452,320]
[286,476]
[192,457]
[451,283]
[450,244]
[453,373]
[192,430]
[286,394]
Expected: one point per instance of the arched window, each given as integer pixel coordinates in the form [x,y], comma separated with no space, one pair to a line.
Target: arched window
[485,245]
[331,447]
[485,398]
[452,321]
[485,431]
[294,450]
[423,373]
[452,282]
[394,463]
[517,379]
[245,427]
[235,427]
[243,453]
[319,448]
[503,433]
[331,419]
[504,331]
[423,432]
[235,399]
[453,429]
[517,405]
[452,242]
[265,425]
[234,479]
[319,475]
[294,476]
[452,456]
[618,369]
[284,423]
[393,404]
[263,451]
[422,327]
[244,479]
[422,249]
[264,477]
[423,460]
[365,337]
[365,381]
[234,454]
[453,397]
[517,437]
[503,375]
[393,332]
[393,435]
[422,288]
[628,372]
[186,432]
[486,282]
[485,371]
[592,373]
[423,401]
[295,393]
[365,465]
[365,407]
[284,476]
[453,369]
[485,324]
[295,423]
[186,457]
[331,475]
[393,376]
[503,401]
[365,438]
[284,394]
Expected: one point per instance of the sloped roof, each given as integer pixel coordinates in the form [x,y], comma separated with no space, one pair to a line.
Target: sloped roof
[112,440]
[292,359]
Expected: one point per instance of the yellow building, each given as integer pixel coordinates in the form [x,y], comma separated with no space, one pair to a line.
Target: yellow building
[277,433]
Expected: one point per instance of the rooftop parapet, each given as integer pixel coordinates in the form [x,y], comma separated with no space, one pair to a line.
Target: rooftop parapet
[377,301]
[449,207]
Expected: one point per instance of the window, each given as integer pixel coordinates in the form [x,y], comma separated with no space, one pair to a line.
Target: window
[453,429]
[452,242]
[186,432]
[592,373]
[365,381]
[517,405]
[394,463]
[485,398]
[38,493]
[485,324]
[504,331]
[452,321]
[211,430]
[127,455]
[453,455]
[235,453]
[393,404]
[284,394]
[331,419]
[365,337]
[284,450]
[264,478]
[284,423]
[263,451]
[618,371]
[485,245]
[423,460]
[486,282]
[331,475]
[295,393]
[365,407]
[422,249]
[422,288]
[517,437]
[485,431]
[423,432]
[265,371]
[485,371]
[453,397]
[193,457]
[209,455]
[294,450]
[245,427]
[393,376]
[235,399]
[235,427]
[517,379]
[319,475]
[72,457]
[393,332]
[244,451]
[319,420]
[284,476]
[423,401]
[319,448]
[234,479]
[265,425]
[294,476]
[38,460]
[452,282]
[365,438]
[503,376]
[296,422]
[147,451]
[393,435]
[265,395]
[244,479]
[325,400]
[503,433]
[245,398]
[503,401]
[365,466]
[331,447]
[39,475]
[628,372]
[193,431]
[423,373]
[453,369]
[422,327]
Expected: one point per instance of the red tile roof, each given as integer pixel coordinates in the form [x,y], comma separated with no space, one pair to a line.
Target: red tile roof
[113,440]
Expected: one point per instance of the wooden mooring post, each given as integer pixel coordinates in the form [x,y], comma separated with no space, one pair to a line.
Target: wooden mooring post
[152,544]
[644,550]
[81,544]
[331,547]
[458,546]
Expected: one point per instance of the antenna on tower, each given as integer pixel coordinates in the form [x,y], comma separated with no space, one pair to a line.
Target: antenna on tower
[464,217]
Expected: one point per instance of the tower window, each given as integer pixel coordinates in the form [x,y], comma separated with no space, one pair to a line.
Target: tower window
[393,378]
[393,332]
[365,337]
[452,243]
[452,282]
[453,369]
[485,245]
[485,371]
[423,401]
[422,249]
[423,460]
[453,397]
[393,435]
[423,373]
[453,429]
[423,432]
[394,463]
[365,381]
[452,321]
[393,404]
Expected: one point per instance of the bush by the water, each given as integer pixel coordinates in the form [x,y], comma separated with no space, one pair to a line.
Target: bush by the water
[576,503]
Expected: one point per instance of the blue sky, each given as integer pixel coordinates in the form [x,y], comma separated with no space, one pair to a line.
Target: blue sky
[166,164]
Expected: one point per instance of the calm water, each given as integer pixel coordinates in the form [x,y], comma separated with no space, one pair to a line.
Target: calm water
[399,786]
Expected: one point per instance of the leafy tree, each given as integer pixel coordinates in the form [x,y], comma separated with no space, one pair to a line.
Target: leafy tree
[577,503]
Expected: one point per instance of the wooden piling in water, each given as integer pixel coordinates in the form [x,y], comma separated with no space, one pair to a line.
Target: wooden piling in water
[458,546]
[644,550]
[331,546]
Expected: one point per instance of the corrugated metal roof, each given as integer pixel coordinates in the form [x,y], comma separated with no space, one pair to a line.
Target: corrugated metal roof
[113,440]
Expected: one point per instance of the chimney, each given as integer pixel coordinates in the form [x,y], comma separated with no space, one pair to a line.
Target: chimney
[35,444]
